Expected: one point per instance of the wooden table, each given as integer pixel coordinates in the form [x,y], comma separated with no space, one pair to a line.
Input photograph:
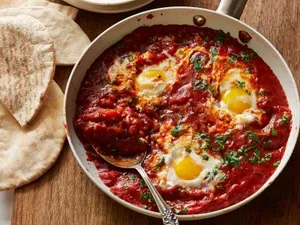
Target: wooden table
[65,196]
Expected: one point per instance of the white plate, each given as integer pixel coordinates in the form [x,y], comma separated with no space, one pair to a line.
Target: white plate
[103,6]
[6,206]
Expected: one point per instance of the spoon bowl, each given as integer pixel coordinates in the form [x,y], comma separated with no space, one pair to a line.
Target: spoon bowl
[135,162]
[120,161]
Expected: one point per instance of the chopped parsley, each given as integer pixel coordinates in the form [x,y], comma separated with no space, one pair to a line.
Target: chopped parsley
[160,163]
[131,177]
[274,132]
[202,84]
[231,159]
[257,159]
[222,178]
[113,82]
[147,196]
[284,120]
[244,151]
[267,142]
[188,150]
[276,164]
[213,52]
[246,56]
[215,171]
[247,70]
[198,62]
[204,137]
[205,157]
[243,55]
[253,137]
[114,90]
[233,57]
[266,158]
[220,141]
[256,156]
[184,210]
[142,183]
[219,37]
[240,84]
[176,131]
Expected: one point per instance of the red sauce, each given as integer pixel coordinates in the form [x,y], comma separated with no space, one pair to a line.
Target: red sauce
[108,118]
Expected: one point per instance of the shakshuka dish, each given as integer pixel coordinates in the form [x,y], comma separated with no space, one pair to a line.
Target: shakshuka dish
[208,110]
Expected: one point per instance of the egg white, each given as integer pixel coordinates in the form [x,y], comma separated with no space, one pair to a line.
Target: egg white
[151,86]
[206,180]
[229,81]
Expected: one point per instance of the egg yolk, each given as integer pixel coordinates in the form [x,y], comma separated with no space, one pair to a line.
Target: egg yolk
[148,79]
[155,74]
[237,100]
[187,169]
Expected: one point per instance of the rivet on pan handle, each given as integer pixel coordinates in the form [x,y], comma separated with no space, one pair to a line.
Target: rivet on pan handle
[232,8]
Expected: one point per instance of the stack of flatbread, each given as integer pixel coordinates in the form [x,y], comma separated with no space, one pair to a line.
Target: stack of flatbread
[34,38]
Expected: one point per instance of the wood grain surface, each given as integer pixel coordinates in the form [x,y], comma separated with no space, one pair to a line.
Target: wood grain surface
[65,196]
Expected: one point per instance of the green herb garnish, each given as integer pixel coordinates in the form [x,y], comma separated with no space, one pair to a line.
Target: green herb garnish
[253,137]
[131,177]
[247,70]
[188,150]
[205,157]
[198,62]
[276,163]
[274,132]
[204,137]
[240,84]
[113,82]
[233,57]
[176,131]
[160,163]
[213,52]
[202,84]
[147,196]
[184,210]
[246,56]
[266,158]
[220,141]
[231,159]
[142,183]
[284,120]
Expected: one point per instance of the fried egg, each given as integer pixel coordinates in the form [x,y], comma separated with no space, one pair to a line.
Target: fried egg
[237,93]
[238,97]
[153,80]
[186,168]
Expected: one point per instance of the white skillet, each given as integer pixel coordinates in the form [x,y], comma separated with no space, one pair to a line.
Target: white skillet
[182,15]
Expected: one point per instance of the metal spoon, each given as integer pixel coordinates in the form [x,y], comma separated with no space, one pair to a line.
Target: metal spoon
[168,217]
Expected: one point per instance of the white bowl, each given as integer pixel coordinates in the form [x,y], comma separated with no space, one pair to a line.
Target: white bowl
[107,6]
[178,15]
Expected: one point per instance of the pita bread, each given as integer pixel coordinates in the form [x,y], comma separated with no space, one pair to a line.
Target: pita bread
[69,11]
[12,3]
[69,39]
[27,65]
[26,154]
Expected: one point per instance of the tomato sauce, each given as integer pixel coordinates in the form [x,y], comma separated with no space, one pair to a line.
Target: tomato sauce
[108,118]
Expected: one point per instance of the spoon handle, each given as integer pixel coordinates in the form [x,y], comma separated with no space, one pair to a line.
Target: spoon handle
[168,217]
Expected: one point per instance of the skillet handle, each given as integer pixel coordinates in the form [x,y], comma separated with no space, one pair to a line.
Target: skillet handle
[232,8]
